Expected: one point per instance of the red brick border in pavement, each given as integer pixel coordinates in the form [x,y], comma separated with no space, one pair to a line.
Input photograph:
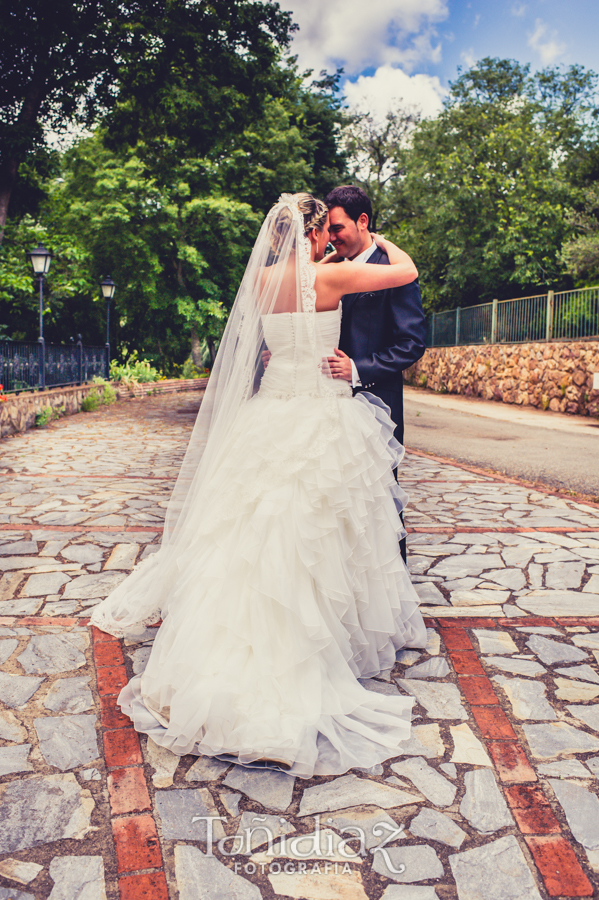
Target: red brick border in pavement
[139,857]
[559,868]
[76,476]
[147,886]
[554,856]
[411,529]
[35,526]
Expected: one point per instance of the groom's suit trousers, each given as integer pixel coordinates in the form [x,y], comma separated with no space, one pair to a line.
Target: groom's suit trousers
[384,332]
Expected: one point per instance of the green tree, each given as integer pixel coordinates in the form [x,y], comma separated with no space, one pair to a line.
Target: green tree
[177,258]
[207,124]
[176,228]
[581,252]
[292,144]
[489,182]
[377,153]
[57,64]
[72,60]
[70,293]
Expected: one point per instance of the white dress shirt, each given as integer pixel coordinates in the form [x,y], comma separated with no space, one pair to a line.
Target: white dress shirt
[362,257]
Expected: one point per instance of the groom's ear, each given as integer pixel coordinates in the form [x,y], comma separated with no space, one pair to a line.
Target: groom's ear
[362,222]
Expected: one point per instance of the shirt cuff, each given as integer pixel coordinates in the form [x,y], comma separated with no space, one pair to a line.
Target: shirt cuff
[355,378]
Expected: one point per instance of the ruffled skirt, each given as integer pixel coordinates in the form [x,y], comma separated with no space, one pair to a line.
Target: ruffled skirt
[283,587]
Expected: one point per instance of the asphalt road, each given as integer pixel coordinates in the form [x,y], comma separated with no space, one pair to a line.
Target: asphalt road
[563,452]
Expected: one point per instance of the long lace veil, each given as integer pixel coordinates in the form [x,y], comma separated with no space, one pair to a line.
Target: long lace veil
[279,279]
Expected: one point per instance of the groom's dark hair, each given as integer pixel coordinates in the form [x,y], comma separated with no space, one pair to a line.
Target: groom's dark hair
[353,200]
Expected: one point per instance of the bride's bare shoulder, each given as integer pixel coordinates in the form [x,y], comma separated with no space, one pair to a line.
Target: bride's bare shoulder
[334,275]
[328,292]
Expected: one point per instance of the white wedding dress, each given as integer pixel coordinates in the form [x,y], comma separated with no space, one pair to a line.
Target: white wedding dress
[286,584]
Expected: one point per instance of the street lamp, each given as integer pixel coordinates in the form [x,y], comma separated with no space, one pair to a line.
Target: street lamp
[40,260]
[108,288]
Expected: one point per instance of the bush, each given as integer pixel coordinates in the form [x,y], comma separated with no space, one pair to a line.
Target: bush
[134,369]
[46,415]
[108,394]
[91,402]
[102,395]
[190,370]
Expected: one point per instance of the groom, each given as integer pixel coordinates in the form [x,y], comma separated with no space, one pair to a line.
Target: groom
[382,332]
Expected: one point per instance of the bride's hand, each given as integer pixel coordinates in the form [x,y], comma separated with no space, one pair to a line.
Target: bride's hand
[329,258]
[379,240]
[395,254]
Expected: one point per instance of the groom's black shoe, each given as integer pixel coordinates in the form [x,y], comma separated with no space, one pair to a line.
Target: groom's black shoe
[403,548]
[279,764]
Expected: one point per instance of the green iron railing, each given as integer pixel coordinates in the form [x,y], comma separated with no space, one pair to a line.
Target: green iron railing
[563,316]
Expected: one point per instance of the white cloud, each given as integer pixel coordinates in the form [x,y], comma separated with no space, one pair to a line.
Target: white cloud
[359,35]
[546,45]
[518,9]
[468,57]
[390,88]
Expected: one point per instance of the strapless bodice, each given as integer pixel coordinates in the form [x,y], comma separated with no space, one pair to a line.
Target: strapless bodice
[294,368]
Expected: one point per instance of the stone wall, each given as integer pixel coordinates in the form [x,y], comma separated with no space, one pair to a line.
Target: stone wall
[19,411]
[167,386]
[556,376]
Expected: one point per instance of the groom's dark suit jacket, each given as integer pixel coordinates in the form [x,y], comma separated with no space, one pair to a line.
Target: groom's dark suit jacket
[384,332]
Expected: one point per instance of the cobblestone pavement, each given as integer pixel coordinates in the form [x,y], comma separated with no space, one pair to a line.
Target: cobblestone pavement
[494,797]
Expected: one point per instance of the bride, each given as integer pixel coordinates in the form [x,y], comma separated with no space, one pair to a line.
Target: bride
[279,580]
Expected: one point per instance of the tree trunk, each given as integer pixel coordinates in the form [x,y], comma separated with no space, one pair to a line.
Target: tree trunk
[27,118]
[8,176]
[196,349]
[212,349]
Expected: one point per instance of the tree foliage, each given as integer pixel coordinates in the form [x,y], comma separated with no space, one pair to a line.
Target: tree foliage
[197,121]
[581,251]
[177,257]
[486,187]
[206,124]
[58,65]
[174,68]
[377,154]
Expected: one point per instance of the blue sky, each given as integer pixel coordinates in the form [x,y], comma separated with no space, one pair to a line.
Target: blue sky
[410,49]
[540,32]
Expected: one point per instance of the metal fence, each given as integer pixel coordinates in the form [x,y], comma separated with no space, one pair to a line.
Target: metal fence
[564,316]
[28,367]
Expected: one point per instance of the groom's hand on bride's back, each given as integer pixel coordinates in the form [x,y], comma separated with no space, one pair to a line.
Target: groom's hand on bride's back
[340,365]
[266,354]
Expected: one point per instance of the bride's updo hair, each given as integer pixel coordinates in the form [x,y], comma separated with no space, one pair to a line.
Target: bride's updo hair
[313,210]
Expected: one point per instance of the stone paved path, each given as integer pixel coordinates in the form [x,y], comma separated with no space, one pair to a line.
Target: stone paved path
[495,796]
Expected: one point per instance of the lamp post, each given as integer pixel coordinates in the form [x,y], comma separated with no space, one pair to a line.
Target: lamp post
[40,261]
[108,288]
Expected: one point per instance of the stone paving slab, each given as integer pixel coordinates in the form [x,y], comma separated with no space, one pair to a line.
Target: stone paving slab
[495,795]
